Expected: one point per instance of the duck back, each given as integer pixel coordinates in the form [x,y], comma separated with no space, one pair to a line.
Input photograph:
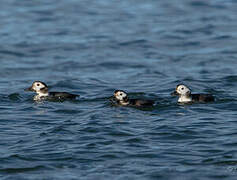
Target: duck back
[202,97]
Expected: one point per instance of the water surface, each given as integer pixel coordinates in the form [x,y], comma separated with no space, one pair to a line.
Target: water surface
[94,47]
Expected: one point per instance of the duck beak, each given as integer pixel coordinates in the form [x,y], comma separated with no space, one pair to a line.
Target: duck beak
[174,93]
[29,89]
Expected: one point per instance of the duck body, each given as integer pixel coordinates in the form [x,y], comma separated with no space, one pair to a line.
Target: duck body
[55,96]
[185,95]
[62,95]
[202,98]
[122,99]
[140,102]
[42,93]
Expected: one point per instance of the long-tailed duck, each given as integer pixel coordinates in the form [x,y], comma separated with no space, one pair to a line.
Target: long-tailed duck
[121,98]
[42,92]
[185,95]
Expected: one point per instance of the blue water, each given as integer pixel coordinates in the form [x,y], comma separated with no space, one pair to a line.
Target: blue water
[94,47]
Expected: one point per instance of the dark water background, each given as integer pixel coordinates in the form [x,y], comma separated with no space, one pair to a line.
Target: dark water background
[94,47]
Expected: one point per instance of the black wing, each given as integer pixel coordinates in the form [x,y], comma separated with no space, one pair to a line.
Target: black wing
[140,102]
[203,97]
[63,95]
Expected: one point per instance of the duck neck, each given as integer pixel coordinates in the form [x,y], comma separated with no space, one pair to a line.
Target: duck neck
[43,92]
[185,98]
[124,102]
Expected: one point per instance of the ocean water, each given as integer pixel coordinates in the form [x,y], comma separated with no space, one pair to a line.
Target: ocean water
[95,47]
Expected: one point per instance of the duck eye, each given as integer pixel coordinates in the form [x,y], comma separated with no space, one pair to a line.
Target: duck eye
[37,84]
[121,94]
[182,88]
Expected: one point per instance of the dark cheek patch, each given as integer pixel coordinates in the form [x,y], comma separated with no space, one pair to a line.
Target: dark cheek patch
[125,98]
